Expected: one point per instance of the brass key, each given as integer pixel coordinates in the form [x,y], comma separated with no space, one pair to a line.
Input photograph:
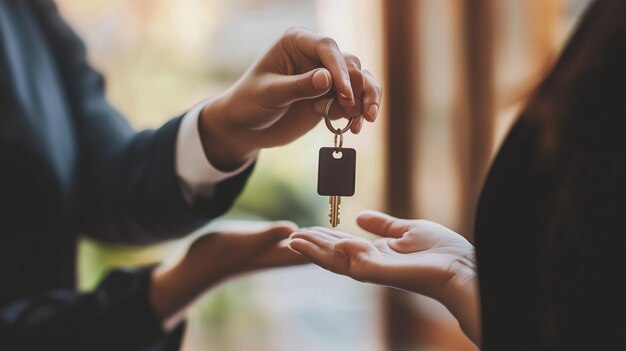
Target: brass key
[336,177]
[335,202]
[337,168]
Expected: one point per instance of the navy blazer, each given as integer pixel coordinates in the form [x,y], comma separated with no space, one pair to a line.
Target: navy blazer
[71,165]
[550,228]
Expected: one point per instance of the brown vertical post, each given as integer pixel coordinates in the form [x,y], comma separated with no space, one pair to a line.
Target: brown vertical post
[401,94]
[401,65]
[479,87]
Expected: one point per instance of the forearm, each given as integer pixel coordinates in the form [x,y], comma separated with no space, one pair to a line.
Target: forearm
[129,189]
[214,258]
[135,195]
[174,288]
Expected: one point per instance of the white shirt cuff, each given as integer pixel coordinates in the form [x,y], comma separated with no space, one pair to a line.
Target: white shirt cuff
[198,176]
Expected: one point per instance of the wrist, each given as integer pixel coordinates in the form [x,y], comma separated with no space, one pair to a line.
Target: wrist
[226,146]
[462,299]
[163,296]
[175,287]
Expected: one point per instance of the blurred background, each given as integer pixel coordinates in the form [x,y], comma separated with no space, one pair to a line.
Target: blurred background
[455,74]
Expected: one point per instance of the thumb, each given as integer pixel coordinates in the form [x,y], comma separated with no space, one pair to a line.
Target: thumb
[382,224]
[282,90]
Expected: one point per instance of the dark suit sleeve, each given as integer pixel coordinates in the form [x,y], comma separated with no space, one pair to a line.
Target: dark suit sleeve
[116,316]
[129,190]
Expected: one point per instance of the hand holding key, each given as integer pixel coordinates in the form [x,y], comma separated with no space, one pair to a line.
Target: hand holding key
[282,95]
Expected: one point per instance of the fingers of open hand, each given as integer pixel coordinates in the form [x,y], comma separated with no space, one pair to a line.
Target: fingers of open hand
[322,241]
[281,230]
[332,250]
[278,255]
[274,233]
[245,238]
[337,235]
[263,248]
[326,51]
[315,253]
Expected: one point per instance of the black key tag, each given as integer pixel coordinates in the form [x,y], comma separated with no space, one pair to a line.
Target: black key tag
[336,172]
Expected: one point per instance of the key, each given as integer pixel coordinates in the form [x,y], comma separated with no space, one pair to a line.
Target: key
[336,176]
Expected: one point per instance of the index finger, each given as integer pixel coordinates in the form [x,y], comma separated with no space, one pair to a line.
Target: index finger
[325,50]
[316,254]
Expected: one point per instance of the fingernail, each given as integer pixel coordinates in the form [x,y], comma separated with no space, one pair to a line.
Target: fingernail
[359,125]
[373,110]
[347,100]
[320,80]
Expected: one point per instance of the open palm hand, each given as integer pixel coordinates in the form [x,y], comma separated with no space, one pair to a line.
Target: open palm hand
[415,255]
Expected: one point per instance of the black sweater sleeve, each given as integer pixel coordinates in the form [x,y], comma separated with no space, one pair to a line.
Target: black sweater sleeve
[116,316]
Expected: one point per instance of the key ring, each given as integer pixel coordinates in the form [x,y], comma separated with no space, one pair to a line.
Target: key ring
[329,125]
[338,135]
